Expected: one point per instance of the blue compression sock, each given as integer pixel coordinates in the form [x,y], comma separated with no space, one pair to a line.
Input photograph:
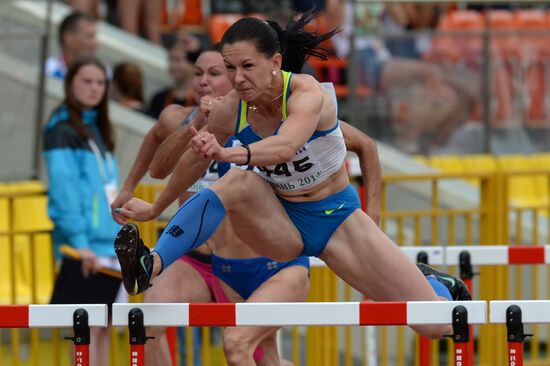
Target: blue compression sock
[193,224]
[439,288]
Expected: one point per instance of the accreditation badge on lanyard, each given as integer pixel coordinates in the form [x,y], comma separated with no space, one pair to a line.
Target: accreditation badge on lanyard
[107,172]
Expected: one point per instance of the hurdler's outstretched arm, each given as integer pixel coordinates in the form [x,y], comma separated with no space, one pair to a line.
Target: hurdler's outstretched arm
[169,152]
[169,121]
[188,170]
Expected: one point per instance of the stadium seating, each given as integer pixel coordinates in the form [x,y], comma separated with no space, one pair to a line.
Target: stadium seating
[532,49]
[453,46]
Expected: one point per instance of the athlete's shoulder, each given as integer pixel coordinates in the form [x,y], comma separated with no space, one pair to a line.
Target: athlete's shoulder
[175,111]
[304,83]
[304,80]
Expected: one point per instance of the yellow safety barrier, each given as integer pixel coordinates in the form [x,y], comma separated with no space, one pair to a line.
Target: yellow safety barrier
[27,263]
[489,220]
[524,189]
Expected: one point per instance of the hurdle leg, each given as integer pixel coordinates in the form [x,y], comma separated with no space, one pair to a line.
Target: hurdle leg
[461,337]
[81,338]
[424,344]
[137,337]
[515,335]
[467,275]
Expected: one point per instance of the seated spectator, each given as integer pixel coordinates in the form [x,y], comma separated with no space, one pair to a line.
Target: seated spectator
[127,86]
[429,105]
[181,72]
[399,18]
[77,38]
[190,43]
[131,12]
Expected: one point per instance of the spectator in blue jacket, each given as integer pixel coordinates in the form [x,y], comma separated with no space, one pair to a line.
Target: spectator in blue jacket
[83,178]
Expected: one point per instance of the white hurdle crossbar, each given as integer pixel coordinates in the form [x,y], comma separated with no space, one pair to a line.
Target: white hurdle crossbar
[533,311]
[301,314]
[480,255]
[79,317]
[50,316]
[459,314]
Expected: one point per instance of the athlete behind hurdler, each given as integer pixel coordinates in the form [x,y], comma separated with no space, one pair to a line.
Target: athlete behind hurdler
[281,213]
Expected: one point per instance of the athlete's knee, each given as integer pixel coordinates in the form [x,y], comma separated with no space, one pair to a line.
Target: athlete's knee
[236,346]
[156,332]
[297,281]
[154,296]
[235,183]
[433,332]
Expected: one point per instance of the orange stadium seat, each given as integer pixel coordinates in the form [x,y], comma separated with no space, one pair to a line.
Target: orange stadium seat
[505,43]
[530,19]
[188,14]
[332,70]
[192,14]
[533,24]
[219,23]
[456,46]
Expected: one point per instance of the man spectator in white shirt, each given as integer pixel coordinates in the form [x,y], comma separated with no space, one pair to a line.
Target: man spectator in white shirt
[77,38]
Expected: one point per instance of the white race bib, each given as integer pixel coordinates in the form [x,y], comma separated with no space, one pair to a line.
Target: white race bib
[111,191]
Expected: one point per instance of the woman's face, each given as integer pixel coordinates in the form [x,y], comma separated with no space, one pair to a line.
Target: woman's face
[210,76]
[89,85]
[250,72]
[180,68]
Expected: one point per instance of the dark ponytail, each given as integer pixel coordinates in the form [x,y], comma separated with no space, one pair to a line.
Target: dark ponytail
[294,43]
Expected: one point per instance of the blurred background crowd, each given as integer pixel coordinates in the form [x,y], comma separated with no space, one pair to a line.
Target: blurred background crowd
[460,86]
[428,78]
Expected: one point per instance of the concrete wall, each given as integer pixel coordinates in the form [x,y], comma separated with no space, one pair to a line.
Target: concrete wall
[114,45]
[18,129]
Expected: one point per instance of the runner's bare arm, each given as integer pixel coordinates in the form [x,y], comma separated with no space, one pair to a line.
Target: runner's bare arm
[304,109]
[366,151]
[190,167]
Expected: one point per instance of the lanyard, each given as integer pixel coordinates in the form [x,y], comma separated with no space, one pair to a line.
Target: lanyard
[107,172]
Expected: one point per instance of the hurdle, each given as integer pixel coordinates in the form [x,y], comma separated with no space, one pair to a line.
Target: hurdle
[515,314]
[459,314]
[465,257]
[80,317]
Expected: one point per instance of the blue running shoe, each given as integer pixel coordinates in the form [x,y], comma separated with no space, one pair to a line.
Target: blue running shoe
[457,288]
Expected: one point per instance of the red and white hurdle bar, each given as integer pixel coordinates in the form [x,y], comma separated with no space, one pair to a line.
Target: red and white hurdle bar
[480,255]
[460,314]
[465,257]
[513,313]
[80,317]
